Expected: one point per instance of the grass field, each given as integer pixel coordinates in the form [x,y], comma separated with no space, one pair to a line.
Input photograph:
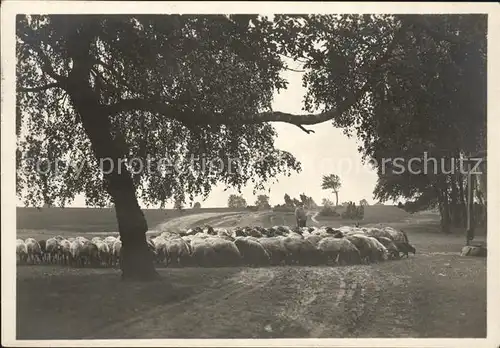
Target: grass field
[435,293]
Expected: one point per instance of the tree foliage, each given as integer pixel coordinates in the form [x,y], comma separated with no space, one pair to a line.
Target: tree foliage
[262,202]
[195,67]
[236,201]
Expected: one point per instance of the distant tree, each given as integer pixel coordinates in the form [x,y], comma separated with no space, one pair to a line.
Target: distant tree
[296,202]
[179,204]
[345,204]
[262,202]
[379,203]
[363,202]
[332,182]
[197,206]
[236,201]
[288,201]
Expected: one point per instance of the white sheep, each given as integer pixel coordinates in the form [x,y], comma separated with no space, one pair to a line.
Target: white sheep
[53,250]
[34,250]
[226,252]
[117,247]
[21,251]
[339,250]
[252,252]
[275,249]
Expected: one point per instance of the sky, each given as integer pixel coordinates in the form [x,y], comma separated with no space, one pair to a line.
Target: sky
[326,151]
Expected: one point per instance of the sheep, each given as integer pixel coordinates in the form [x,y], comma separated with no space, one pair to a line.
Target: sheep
[209,230]
[21,251]
[177,252]
[301,251]
[314,239]
[65,251]
[376,232]
[96,239]
[151,246]
[168,235]
[239,233]
[339,250]
[110,241]
[160,244]
[53,248]
[226,252]
[82,239]
[364,245]
[116,251]
[34,250]
[104,253]
[391,247]
[276,250]
[379,251]
[89,254]
[222,232]
[253,233]
[203,254]
[75,252]
[401,240]
[43,249]
[252,252]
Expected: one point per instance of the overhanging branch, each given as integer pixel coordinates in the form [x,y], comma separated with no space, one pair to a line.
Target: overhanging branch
[46,64]
[38,89]
[182,114]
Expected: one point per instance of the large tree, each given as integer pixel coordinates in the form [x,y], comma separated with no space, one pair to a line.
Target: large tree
[95,89]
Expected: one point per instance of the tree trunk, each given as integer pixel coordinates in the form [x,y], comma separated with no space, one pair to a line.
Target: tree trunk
[443,210]
[454,206]
[462,199]
[336,199]
[136,261]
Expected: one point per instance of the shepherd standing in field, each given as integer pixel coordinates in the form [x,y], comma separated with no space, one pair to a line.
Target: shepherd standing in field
[300,215]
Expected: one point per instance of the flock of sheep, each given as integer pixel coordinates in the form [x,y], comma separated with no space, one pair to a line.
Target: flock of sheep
[249,246]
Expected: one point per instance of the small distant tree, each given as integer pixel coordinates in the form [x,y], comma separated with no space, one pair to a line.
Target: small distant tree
[197,206]
[332,182]
[363,202]
[308,201]
[262,202]
[288,201]
[236,201]
[179,204]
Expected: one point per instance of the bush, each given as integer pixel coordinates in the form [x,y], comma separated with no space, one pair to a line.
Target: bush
[352,212]
[252,208]
[283,208]
[328,211]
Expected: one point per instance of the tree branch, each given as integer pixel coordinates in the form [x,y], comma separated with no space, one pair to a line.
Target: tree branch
[38,89]
[308,131]
[179,112]
[46,65]
[294,70]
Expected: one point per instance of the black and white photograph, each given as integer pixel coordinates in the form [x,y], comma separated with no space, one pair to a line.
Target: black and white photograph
[249,173]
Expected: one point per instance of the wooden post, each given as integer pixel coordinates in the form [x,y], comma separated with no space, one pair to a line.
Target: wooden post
[470,204]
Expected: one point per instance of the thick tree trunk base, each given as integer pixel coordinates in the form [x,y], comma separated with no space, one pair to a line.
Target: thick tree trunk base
[136,263]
